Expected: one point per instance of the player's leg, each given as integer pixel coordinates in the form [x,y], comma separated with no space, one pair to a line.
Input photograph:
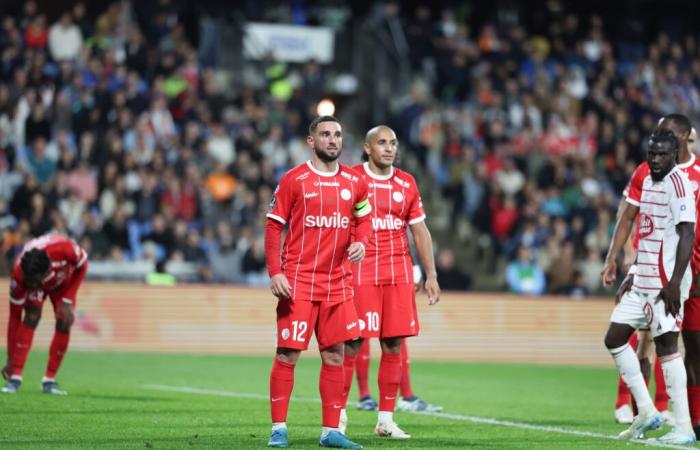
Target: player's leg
[366,402]
[676,384]
[337,323]
[646,354]
[399,320]
[352,348]
[65,317]
[691,339]
[626,317]
[409,401]
[295,321]
[623,403]
[23,338]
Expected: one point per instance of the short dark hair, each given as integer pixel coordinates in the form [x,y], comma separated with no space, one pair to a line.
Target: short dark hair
[35,262]
[317,120]
[663,136]
[681,120]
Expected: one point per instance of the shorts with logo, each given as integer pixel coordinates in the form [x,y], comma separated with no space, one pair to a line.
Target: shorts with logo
[640,310]
[387,310]
[331,322]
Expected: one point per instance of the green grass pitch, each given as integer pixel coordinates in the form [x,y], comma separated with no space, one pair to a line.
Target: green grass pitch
[121,401]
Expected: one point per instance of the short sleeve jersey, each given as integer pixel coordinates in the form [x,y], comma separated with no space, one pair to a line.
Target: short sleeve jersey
[396,204]
[319,209]
[633,193]
[66,256]
[662,205]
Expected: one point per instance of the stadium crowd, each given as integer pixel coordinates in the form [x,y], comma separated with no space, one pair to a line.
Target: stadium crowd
[123,133]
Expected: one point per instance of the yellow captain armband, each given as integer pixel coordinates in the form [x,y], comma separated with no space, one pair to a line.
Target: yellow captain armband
[362,208]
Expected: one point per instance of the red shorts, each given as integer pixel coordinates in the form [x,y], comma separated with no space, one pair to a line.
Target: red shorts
[691,313]
[332,322]
[387,310]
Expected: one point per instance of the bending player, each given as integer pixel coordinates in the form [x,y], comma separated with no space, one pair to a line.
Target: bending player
[49,266]
[320,201]
[667,212]
[384,287]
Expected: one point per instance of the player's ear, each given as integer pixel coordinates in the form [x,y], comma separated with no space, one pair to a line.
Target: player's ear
[310,140]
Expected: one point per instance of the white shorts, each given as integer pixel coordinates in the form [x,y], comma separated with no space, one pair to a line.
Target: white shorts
[646,311]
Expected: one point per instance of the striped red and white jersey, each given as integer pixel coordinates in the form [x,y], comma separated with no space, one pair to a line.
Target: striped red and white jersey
[320,210]
[662,206]
[396,204]
[634,189]
[66,256]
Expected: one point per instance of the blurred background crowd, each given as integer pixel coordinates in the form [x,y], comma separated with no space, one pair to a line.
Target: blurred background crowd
[141,130]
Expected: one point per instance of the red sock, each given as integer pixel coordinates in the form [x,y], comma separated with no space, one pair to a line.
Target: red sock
[624,396]
[330,385]
[23,342]
[406,389]
[362,366]
[661,396]
[281,385]
[59,346]
[389,380]
[694,404]
[348,369]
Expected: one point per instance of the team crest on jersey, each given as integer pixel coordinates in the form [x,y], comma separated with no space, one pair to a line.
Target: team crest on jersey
[345,194]
[397,196]
[646,225]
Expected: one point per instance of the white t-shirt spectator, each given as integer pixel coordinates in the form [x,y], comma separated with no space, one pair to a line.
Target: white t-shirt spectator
[65,42]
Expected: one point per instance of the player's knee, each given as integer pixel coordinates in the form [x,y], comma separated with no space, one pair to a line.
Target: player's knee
[612,340]
[287,356]
[666,344]
[391,345]
[64,324]
[31,319]
[353,347]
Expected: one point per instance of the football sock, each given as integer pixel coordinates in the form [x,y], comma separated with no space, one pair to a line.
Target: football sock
[694,404]
[623,394]
[628,365]
[385,417]
[362,366]
[281,385]
[330,387]
[348,369]
[23,342]
[406,389]
[59,345]
[389,380]
[676,380]
[660,396]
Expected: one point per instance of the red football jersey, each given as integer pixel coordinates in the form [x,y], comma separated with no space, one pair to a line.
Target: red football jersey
[396,203]
[320,209]
[633,192]
[66,256]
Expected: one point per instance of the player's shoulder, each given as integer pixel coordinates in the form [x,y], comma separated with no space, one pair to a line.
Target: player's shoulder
[298,173]
[349,173]
[642,170]
[403,178]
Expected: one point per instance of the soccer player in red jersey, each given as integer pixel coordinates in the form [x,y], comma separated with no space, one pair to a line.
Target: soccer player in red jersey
[384,284]
[681,127]
[661,285]
[49,266]
[321,202]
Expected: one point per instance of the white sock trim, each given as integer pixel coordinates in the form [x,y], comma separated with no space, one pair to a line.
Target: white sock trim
[279,425]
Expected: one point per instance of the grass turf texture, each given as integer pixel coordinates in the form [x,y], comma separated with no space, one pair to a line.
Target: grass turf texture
[109,407]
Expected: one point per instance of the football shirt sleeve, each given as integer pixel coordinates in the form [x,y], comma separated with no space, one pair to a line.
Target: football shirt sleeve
[682,200]
[282,201]
[361,210]
[416,213]
[633,191]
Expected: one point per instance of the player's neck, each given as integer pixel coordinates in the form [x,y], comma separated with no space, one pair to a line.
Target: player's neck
[684,157]
[330,167]
[381,171]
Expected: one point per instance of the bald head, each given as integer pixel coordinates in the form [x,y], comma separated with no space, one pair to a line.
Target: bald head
[374,132]
[380,147]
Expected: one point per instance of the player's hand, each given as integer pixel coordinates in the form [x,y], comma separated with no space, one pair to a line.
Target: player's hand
[624,287]
[671,296]
[7,370]
[609,273]
[356,252]
[279,285]
[433,290]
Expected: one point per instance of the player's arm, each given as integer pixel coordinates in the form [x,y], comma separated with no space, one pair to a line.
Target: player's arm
[277,216]
[628,251]
[623,227]
[363,225]
[424,247]
[671,293]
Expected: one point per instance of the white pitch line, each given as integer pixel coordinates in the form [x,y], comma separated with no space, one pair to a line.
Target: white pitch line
[473,419]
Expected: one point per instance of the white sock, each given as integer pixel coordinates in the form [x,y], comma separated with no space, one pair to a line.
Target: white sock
[627,363]
[676,381]
[46,379]
[385,417]
[278,425]
[343,414]
[326,430]
[16,377]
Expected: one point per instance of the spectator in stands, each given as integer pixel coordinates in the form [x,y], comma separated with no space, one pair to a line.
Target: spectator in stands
[524,276]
